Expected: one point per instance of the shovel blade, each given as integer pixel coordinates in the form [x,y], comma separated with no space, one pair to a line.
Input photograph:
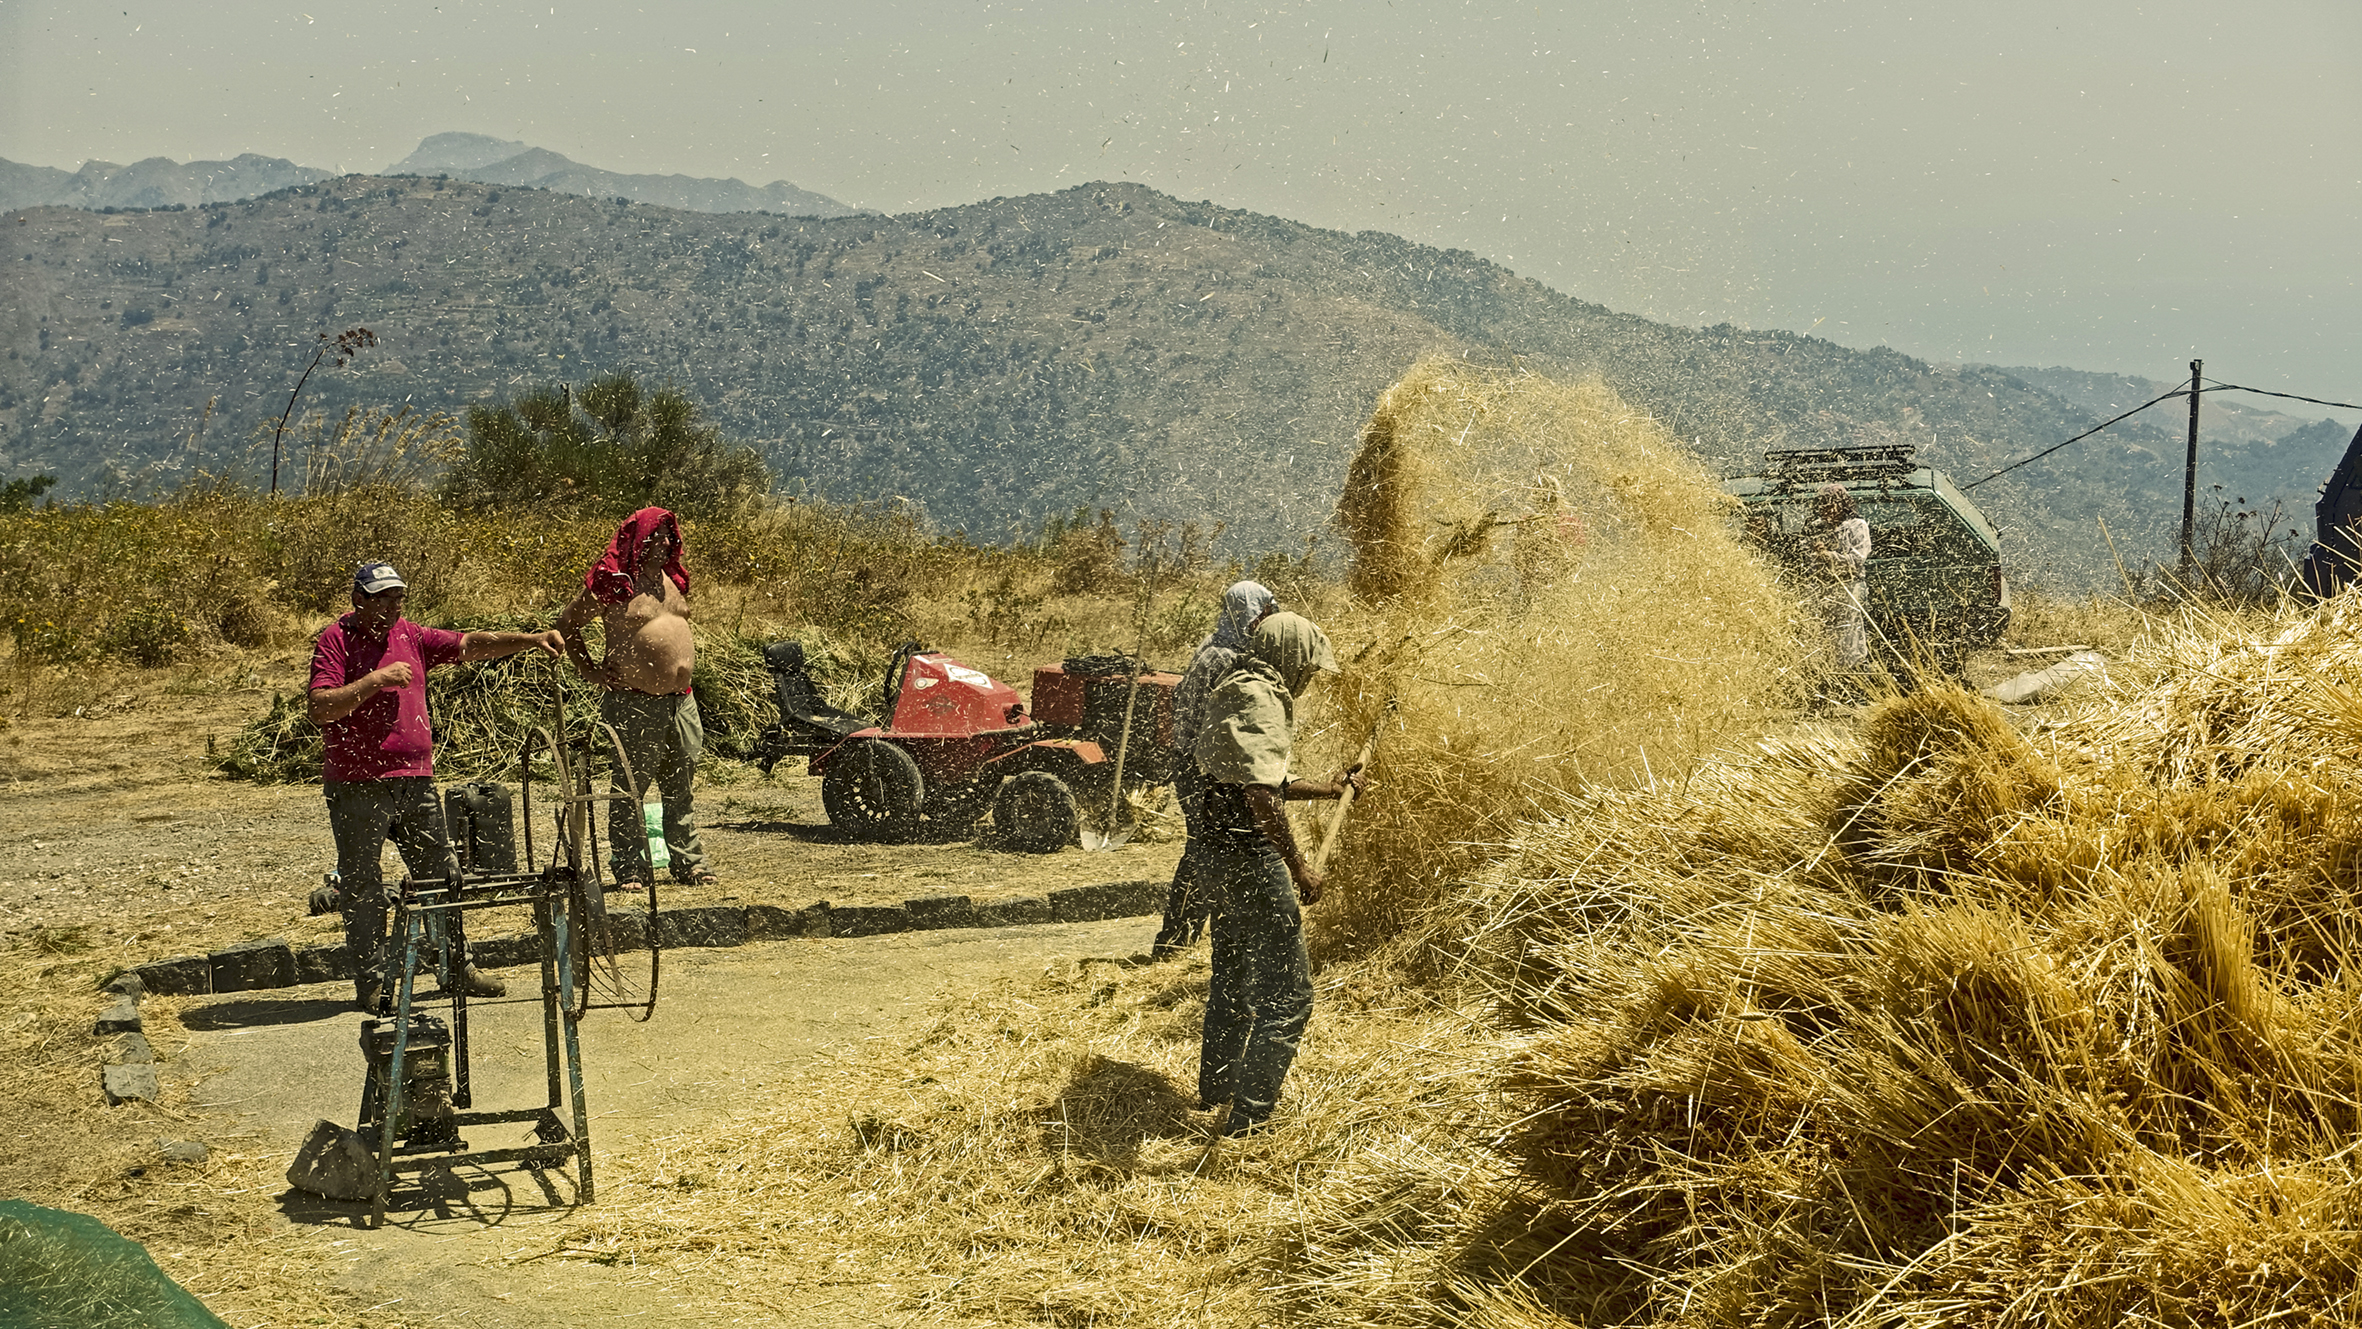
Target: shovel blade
[1114,837]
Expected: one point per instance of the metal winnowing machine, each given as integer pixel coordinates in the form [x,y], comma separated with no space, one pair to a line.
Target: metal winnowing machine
[596,954]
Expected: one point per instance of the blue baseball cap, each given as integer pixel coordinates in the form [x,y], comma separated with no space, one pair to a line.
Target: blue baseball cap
[371,578]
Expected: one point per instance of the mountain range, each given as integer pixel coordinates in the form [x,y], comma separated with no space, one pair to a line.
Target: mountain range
[993,363]
[495,161]
[160,182]
[156,182]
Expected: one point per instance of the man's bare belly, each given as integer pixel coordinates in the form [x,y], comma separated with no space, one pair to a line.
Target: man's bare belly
[648,647]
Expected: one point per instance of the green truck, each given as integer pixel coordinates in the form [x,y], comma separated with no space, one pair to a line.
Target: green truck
[1936,587]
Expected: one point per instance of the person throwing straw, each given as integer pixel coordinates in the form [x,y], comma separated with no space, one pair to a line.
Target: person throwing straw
[1260,999]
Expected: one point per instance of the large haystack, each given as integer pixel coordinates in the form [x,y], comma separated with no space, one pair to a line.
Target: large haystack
[1952,1027]
[1548,592]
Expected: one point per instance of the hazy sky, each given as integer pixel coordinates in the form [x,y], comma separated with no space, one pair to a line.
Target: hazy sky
[2107,184]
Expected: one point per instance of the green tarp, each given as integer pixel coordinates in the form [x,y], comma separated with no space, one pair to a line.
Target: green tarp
[61,1270]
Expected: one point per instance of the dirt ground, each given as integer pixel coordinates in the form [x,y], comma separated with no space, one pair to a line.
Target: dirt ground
[125,847]
[736,1026]
[124,844]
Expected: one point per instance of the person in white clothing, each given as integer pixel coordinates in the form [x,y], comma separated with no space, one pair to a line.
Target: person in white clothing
[1844,549]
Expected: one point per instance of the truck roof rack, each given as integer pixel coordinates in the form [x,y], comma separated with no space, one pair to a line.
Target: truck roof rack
[1795,468]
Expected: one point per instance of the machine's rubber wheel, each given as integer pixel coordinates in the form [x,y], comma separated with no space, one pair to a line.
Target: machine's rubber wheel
[873,787]
[955,807]
[1034,811]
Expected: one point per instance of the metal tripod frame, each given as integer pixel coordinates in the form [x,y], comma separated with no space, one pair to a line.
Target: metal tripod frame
[567,897]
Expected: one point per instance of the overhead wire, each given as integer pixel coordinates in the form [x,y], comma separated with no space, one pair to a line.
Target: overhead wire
[2177,392]
[2216,386]
[2207,385]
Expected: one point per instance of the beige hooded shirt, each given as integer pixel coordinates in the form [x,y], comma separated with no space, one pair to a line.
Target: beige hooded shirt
[1249,723]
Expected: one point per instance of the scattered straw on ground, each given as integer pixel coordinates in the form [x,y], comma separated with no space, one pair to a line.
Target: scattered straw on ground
[215,1227]
[1038,1155]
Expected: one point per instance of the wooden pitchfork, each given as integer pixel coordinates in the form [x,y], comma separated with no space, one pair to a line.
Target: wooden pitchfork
[1362,759]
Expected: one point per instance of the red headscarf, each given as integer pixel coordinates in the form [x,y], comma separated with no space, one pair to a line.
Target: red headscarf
[611,578]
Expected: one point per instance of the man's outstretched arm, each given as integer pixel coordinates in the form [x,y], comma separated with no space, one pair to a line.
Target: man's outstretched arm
[494,645]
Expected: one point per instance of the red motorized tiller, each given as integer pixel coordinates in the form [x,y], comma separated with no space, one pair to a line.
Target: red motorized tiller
[958,742]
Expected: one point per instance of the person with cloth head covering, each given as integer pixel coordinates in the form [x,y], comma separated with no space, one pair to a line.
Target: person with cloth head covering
[368,695]
[1844,550]
[1244,604]
[1260,999]
[639,590]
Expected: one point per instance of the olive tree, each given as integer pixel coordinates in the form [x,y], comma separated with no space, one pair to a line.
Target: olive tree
[611,447]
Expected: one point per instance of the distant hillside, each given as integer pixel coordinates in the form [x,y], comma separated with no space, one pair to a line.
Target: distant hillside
[158,182]
[2224,417]
[504,162]
[994,363]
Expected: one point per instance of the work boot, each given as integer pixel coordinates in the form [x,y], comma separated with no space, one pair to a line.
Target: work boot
[476,983]
[366,994]
[1240,1126]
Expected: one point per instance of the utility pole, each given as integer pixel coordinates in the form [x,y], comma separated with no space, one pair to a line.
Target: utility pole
[2190,478]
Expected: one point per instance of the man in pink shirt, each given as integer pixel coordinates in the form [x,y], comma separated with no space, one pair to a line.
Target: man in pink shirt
[368,695]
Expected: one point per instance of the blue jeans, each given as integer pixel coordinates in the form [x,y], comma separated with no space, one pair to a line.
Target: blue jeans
[1261,997]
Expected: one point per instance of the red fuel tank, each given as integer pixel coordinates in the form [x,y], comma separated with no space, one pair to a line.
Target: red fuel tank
[942,696]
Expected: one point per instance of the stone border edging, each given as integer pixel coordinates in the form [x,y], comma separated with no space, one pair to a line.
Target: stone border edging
[126,1071]
[271,963]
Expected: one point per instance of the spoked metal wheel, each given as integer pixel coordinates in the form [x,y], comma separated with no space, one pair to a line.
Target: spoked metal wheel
[616,954]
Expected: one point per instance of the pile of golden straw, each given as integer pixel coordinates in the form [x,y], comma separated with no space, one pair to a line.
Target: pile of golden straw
[1548,593]
[1964,1028]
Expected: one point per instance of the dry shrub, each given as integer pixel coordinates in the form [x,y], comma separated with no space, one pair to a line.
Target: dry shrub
[392,446]
[855,572]
[1547,596]
[1087,559]
[134,582]
[316,543]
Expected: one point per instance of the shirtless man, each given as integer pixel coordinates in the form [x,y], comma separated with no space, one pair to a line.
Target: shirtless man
[639,591]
